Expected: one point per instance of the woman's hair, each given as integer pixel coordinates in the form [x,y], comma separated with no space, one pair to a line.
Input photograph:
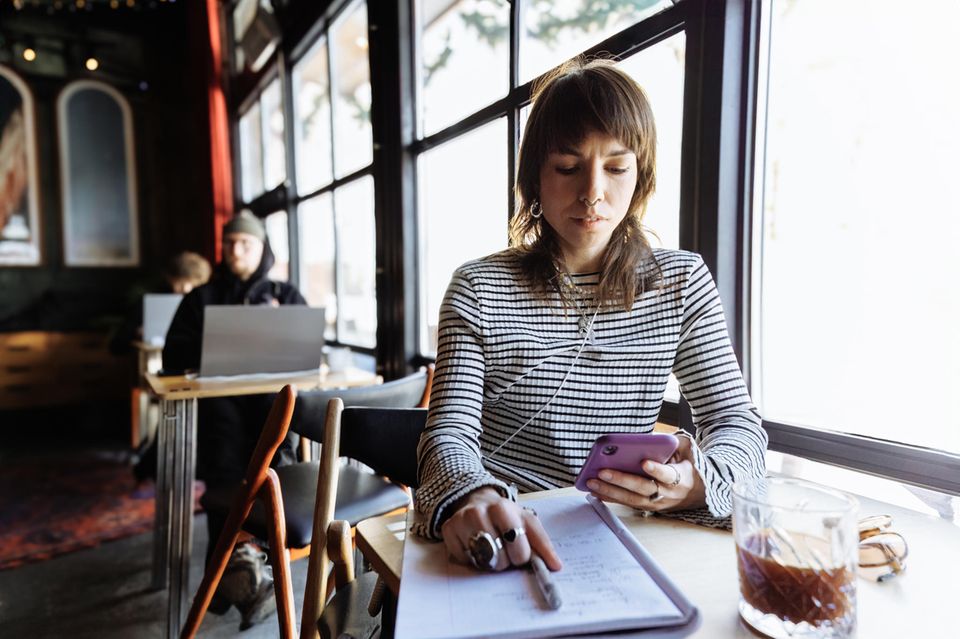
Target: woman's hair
[188,266]
[575,99]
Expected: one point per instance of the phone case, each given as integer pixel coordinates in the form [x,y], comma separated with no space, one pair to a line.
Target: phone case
[625,451]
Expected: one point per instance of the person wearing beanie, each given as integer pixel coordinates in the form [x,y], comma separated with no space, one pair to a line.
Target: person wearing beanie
[228,427]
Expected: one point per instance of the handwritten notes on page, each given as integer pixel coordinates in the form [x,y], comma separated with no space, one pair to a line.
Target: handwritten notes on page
[604,587]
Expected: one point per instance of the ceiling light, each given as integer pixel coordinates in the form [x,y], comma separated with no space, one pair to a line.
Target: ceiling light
[92,64]
[29,54]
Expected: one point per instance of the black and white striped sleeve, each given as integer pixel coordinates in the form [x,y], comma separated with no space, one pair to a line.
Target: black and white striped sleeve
[730,441]
[449,452]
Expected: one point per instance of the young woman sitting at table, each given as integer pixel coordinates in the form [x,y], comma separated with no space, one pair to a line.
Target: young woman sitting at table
[572,333]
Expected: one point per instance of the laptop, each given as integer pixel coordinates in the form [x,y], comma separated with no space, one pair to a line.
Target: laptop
[247,340]
[158,312]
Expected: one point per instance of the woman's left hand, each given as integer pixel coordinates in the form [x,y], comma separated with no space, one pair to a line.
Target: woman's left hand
[676,485]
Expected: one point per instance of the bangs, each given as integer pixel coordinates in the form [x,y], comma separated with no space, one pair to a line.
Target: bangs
[579,104]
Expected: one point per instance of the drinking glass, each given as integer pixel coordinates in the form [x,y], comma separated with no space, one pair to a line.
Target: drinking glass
[797,558]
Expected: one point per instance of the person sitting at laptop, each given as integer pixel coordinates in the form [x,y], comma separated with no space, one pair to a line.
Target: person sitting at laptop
[228,428]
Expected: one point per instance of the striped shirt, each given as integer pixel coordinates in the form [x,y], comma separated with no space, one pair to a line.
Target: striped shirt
[504,351]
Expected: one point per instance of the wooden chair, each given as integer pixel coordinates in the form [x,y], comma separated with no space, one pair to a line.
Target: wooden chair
[260,485]
[305,488]
[385,439]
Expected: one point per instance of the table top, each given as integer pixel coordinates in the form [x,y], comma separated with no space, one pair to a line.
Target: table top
[702,562]
[182,387]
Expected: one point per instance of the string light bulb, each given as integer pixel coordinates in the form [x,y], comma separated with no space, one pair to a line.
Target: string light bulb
[92,64]
[29,54]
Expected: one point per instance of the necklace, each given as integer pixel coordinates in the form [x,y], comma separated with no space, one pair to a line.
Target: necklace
[571,292]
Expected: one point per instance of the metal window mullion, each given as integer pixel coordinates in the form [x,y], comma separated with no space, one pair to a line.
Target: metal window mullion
[337,271]
[513,113]
[285,70]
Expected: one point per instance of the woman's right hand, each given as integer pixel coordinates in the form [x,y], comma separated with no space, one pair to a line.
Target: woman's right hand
[485,510]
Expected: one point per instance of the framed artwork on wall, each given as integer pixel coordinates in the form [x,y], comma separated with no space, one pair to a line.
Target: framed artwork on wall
[19,199]
[97,176]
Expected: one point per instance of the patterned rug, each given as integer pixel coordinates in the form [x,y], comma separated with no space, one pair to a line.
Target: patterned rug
[53,506]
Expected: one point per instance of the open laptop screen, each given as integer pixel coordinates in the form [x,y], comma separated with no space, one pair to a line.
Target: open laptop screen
[158,312]
[243,340]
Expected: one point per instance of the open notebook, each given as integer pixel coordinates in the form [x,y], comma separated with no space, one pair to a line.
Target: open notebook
[608,583]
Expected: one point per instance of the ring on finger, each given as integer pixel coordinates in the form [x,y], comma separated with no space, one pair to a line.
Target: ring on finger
[530,510]
[513,534]
[676,480]
[483,550]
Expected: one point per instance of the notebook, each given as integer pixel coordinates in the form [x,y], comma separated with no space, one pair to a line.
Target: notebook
[609,583]
[248,340]
[158,312]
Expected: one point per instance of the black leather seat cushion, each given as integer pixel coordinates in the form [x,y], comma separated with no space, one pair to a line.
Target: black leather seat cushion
[360,495]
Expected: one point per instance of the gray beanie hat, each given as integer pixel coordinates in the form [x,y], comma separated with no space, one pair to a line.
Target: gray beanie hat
[246,222]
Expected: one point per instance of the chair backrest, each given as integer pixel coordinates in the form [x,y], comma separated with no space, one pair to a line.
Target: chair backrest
[385,439]
[273,433]
[407,392]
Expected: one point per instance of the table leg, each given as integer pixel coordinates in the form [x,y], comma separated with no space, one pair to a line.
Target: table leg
[184,455]
[166,427]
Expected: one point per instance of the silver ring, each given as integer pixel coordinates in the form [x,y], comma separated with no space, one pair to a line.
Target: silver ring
[655,496]
[513,534]
[676,480]
[483,550]
[530,510]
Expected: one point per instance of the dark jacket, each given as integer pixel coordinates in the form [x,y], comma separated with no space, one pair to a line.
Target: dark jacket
[181,350]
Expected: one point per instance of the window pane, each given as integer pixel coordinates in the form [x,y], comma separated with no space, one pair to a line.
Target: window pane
[317,254]
[458,39]
[275,161]
[556,30]
[659,70]
[353,137]
[311,91]
[251,153]
[859,260]
[357,262]
[463,213]
[278,236]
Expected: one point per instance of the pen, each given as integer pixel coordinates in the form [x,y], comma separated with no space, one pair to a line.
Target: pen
[546,584]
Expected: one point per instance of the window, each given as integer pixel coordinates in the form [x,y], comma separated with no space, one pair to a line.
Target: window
[855,245]
[98,180]
[277,235]
[458,39]
[262,146]
[554,31]
[455,227]
[464,176]
[335,191]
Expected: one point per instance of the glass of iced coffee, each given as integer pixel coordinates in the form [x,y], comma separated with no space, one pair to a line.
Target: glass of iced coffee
[797,558]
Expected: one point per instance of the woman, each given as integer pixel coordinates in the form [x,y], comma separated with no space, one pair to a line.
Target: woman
[573,332]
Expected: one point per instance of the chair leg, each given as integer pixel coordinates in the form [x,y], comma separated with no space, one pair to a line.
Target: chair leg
[279,555]
[212,575]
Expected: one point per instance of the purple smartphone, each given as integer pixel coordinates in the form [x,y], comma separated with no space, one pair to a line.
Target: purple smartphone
[625,451]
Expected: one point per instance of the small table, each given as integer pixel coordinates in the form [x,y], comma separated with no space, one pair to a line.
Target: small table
[702,562]
[176,460]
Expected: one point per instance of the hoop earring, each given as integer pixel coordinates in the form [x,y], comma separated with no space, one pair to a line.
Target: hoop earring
[536,211]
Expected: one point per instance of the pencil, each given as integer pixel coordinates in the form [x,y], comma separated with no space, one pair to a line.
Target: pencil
[546,584]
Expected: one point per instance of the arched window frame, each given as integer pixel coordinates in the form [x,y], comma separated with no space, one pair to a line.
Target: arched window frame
[33,179]
[64,143]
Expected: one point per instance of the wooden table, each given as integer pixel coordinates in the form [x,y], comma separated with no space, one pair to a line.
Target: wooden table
[702,562]
[176,460]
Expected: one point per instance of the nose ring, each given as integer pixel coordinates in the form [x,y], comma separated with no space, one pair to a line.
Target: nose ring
[589,203]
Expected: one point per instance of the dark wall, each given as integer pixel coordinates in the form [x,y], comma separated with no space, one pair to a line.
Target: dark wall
[158,60]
